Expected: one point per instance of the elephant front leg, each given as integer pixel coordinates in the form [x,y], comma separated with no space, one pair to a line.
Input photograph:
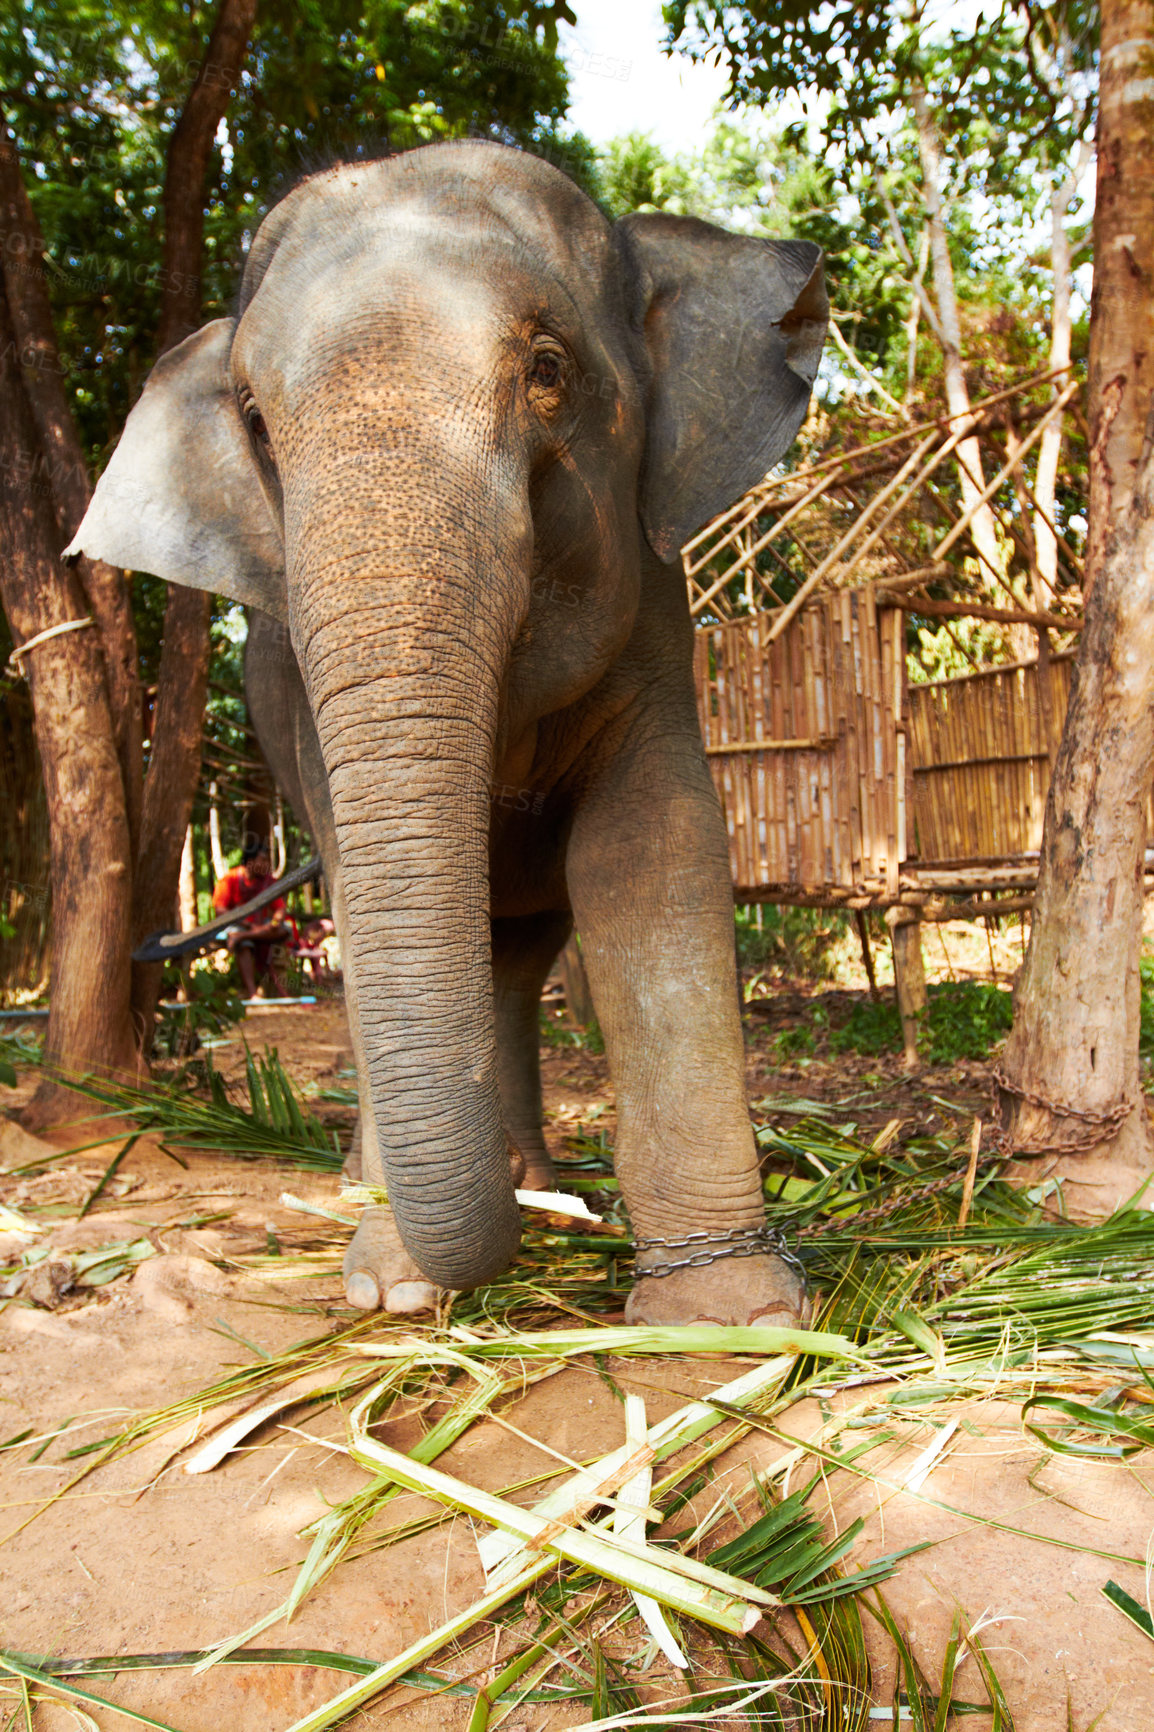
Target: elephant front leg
[649,878]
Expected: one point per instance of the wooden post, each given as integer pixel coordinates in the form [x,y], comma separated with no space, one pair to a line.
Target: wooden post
[863,933]
[578,998]
[909,979]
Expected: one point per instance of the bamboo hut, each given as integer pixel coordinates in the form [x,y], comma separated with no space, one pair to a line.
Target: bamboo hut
[848,779]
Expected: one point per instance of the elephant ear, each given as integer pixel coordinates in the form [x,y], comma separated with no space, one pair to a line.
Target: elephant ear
[181,497]
[733,328]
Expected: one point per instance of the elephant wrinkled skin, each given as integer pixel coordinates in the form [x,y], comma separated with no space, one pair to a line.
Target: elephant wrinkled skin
[449,449]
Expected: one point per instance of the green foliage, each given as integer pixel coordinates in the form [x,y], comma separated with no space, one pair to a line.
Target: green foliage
[938,654]
[1146,1013]
[276,1108]
[795,942]
[1003,84]
[1010,96]
[16,1049]
[786,1551]
[555,1032]
[870,1029]
[213,1007]
[93,89]
[965,1019]
[274,1124]
[798,1041]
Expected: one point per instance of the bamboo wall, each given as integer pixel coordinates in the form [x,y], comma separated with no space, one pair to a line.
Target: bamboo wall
[802,737]
[823,791]
[979,761]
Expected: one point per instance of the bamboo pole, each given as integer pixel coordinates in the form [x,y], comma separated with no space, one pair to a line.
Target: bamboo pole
[972,610]
[909,979]
[816,743]
[754,511]
[867,953]
[938,571]
[991,487]
[976,412]
[797,601]
[780,524]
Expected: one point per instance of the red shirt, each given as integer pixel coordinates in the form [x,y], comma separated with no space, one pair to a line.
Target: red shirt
[236,888]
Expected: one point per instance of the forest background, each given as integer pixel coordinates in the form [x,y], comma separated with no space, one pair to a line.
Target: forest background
[940,157]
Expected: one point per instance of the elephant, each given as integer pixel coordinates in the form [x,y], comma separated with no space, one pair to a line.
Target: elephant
[448,450]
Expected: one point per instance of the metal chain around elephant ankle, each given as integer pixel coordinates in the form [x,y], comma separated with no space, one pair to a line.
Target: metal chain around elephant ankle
[738,1242]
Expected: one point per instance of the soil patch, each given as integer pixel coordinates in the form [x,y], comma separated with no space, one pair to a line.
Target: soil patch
[140,1556]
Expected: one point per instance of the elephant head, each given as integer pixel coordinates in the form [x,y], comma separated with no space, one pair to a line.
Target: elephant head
[451,391]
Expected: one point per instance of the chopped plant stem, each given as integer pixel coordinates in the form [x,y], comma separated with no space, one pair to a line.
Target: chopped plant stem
[30,1675]
[697,1590]
[629,1522]
[935,1283]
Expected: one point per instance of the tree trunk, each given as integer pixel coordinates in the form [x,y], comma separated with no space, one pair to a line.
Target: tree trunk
[915,317]
[46,482]
[189,152]
[182,683]
[1050,445]
[219,863]
[258,796]
[1071,1077]
[66,472]
[173,767]
[188,919]
[971,478]
[1121,374]
[90,848]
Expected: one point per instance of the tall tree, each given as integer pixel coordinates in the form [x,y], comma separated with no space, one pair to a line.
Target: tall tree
[90,843]
[98,102]
[111,838]
[182,682]
[1070,1080]
[918,115]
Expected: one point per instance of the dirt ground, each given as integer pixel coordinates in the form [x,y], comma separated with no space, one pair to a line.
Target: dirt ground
[141,1557]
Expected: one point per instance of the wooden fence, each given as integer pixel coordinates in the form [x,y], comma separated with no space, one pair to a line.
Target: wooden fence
[801,730]
[980,754]
[844,783]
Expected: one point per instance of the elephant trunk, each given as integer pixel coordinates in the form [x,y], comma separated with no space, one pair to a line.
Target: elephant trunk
[404,636]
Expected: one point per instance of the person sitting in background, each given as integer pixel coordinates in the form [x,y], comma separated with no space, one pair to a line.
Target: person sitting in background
[319,949]
[251,942]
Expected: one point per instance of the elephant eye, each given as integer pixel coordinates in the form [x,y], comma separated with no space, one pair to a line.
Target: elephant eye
[546,370]
[255,421]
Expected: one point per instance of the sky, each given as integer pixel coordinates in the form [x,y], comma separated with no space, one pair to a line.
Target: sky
[621,82]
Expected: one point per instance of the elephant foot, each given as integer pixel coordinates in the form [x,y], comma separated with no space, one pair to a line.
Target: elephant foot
[539,1174]
[732,1291]
[380,1274]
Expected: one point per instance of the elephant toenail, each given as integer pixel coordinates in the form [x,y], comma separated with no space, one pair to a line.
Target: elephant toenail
[362,1291]
[409,1296]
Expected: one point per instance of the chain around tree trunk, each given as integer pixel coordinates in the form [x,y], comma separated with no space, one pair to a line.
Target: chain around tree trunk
[1100,1126]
